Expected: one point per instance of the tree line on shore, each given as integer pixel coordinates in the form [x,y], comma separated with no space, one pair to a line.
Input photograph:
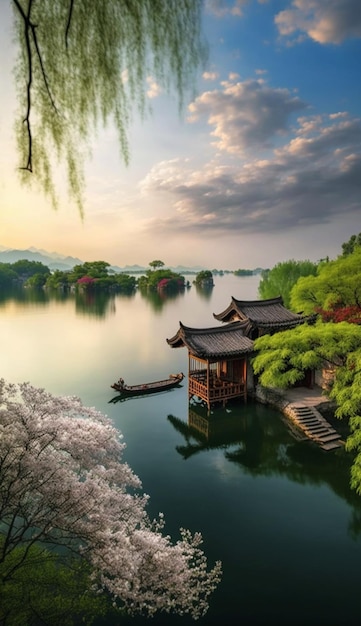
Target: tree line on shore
[99,276]
[331,289]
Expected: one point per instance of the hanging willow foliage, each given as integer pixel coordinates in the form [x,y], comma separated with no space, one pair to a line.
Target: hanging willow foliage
[83,63]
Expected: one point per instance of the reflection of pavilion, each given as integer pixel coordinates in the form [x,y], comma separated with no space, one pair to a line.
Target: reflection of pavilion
[219,357]
[210,429]
[204,431]
[261,445]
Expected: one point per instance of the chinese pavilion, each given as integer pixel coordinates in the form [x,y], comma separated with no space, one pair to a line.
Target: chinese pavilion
[217,361]
[218,357]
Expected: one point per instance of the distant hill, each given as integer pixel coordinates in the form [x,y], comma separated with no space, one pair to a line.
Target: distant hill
[53,260]
[56,261]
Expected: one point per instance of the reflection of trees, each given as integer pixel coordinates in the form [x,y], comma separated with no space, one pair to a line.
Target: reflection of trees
[94,304]
[205,291]
[159,298]
[97,304]
[24,296]
[255,438]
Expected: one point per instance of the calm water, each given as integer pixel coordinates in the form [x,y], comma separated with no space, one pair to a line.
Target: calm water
[278,513]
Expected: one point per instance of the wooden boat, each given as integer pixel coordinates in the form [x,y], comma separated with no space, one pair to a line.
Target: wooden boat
[155,387]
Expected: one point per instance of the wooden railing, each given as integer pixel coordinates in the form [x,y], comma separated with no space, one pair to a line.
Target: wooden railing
[219,390]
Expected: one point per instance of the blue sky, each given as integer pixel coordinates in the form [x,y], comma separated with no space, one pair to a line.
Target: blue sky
[264,165]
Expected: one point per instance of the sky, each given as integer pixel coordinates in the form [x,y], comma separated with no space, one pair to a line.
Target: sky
[262,166]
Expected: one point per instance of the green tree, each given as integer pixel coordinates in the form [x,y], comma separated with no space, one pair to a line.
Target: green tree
[157,264]
[241,272]
[25,268]
[7,275]
[36,280]
[205,278]
[349,246]
[40,587]
[281,360]
[337,285]
[124,282]
[83,62]
[58,279]
[93,269]
[279,280]
[164,277]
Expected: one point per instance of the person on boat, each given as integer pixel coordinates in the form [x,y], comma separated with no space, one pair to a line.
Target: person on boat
[121,382]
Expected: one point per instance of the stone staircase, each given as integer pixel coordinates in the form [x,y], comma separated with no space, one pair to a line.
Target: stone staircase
[310,421]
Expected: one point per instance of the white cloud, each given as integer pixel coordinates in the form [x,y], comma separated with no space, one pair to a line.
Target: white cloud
[311,180]
[326,21]
[246,114]
[210,75]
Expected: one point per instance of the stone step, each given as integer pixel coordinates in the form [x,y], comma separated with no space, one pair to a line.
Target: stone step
[308,418]
[315,426]
[329,437]
[317,434]
[332,445]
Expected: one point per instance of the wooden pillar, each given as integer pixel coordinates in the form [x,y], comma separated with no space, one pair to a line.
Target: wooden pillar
[190,395]
[245,377]
[208,387]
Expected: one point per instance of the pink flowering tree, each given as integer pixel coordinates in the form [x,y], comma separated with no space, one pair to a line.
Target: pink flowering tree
[63,483]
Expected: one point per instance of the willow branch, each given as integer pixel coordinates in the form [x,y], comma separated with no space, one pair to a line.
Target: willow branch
[30,28]
[71,6]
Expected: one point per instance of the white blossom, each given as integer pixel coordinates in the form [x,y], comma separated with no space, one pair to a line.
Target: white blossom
[63,482]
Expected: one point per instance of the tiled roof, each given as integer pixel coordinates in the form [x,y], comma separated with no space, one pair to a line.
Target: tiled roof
[262,313]
[218,342]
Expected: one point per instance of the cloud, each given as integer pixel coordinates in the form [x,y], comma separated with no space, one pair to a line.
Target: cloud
[326,21]
[312,179]
[221,8]
[210,75]
[246,114]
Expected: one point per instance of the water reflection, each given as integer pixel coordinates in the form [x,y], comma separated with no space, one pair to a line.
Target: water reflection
[205,291]
[98,305]
[87,303]
[255,438]
[24,296]
[158,299]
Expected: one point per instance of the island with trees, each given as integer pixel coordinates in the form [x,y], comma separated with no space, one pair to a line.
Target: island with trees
[204,279]
[158,278]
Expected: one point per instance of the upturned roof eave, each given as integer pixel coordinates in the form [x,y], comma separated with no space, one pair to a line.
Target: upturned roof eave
[218,356]
[187,337]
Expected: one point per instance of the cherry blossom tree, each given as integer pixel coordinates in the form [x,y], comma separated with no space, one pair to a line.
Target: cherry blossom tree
[63,483]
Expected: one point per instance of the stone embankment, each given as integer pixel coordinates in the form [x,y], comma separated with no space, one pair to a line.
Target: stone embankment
[303,408]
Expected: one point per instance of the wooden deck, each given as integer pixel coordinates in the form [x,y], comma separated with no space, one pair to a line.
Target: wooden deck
[218,391]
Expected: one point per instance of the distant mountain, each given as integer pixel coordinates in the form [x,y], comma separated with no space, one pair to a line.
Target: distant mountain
[56,261]
[182,269]
[53,260]
[129,268]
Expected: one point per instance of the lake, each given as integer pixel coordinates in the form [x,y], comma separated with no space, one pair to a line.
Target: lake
[277,512]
